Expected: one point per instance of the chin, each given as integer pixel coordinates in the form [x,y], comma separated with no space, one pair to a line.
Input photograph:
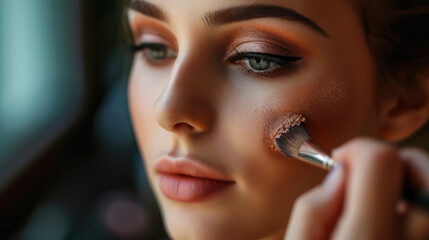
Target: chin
[205,224]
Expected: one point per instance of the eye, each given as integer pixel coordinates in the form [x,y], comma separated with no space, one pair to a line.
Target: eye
[263,64]
[155,52]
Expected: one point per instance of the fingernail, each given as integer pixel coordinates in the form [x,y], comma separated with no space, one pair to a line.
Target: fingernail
[333,179]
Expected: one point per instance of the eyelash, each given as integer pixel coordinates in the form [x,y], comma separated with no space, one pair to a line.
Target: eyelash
[142,46]
[152,46]
[279,63]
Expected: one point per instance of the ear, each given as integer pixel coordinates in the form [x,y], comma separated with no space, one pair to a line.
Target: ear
[406,108]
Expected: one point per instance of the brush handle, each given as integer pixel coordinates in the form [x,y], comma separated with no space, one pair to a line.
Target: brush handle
[312,153]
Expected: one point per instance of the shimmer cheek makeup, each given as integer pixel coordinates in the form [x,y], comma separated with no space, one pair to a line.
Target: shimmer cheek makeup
[285,123]
[275,127]
[291,138]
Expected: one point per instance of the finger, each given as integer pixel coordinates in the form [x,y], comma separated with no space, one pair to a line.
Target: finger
[373,187]
[316,212]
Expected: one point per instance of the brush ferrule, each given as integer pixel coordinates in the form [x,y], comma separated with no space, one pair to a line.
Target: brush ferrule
[312,153]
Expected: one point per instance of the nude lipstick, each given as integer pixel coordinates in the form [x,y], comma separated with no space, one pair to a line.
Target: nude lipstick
[187,180]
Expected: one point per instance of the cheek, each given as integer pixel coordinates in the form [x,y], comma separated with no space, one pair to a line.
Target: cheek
[336,108]
[342,107]
[331,115]
[142,95]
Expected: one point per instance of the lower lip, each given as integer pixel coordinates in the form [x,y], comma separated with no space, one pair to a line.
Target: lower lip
[191,189]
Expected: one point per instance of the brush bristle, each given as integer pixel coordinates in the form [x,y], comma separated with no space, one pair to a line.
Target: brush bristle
[289,142]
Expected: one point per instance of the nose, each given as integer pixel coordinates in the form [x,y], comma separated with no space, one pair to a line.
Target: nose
[185,104]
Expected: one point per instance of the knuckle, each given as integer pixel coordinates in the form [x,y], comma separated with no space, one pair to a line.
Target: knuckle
[354,146]
[361,140]
[370,151]
[307,204]
[385,157]
[360,143]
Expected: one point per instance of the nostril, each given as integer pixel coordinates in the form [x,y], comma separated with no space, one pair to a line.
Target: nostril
[182,126]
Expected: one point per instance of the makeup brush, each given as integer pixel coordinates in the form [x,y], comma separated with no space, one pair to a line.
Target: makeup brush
[296,143]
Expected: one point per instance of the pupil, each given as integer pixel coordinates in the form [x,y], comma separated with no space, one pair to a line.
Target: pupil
[158,52]
[259,64]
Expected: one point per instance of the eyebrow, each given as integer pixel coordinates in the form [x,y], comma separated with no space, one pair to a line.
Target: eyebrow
[148,9]
[234,14]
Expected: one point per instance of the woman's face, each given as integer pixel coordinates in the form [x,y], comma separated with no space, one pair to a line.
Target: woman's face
[212,79]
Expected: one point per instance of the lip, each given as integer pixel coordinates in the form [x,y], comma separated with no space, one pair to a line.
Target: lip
[187,180]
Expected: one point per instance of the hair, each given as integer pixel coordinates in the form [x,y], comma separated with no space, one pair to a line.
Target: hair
[397,33]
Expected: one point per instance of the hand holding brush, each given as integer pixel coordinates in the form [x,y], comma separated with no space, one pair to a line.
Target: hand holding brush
[368,188]
[297,143]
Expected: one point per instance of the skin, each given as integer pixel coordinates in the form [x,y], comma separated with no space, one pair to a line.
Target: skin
[198,104]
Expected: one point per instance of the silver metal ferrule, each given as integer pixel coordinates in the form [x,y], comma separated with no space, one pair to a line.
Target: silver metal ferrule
[312,153]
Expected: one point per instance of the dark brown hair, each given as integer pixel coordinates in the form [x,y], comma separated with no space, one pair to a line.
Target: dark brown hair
[397,32]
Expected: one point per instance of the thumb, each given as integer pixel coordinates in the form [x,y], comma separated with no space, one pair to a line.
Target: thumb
[316,212]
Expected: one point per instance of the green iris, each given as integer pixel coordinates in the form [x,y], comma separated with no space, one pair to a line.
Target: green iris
[259,64]
[158,52]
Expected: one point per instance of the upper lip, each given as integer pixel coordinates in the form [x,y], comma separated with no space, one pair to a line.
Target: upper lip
[186,166]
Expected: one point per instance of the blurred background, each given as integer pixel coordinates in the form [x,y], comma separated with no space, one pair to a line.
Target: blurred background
[69,165]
